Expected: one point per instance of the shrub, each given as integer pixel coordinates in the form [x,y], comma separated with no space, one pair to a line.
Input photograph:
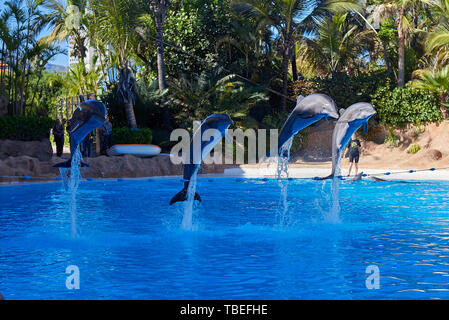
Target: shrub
[26,128]
[414,148]
[391,140]
[344,89]
[125,135]
[405,105]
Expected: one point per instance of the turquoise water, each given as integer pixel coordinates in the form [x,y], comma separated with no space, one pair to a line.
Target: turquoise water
[130,244]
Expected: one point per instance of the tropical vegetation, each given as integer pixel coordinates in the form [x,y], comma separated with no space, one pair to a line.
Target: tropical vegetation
[161,64]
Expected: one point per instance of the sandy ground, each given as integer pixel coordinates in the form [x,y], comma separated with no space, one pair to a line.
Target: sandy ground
[377,159]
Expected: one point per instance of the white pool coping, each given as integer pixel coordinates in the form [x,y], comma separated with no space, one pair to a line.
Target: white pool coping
[308,172]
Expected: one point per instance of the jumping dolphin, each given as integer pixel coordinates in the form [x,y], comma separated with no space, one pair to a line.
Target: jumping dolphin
[90,115]
[349,122]
[308,110]
[217,121]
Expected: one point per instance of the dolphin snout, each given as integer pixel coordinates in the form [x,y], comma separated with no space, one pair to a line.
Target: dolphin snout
[334,115]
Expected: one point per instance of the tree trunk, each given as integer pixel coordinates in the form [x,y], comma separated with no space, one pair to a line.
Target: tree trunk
[293,62]
[161,72]
[401,50]
[126,90]
[284,79]
[129,110]
[387,61]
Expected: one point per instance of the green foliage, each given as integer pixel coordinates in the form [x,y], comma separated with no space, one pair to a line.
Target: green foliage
[25,128]
[344,89]
[146,106]
[126,135]
[418,130]
[336,49]
[414,148]
[44,93]
[405,105]
[392,140]
[214,91]
[195,26]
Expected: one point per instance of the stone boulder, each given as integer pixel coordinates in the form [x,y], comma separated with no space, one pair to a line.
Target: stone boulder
[20,166]
[41,150]
[376,134]
[317,145]
[130,166]
[434,154]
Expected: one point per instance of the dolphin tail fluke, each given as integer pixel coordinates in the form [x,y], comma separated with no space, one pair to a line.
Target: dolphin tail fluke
[182,196]
[65,164]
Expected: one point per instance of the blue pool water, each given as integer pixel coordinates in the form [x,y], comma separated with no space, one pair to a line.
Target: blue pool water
[131,245]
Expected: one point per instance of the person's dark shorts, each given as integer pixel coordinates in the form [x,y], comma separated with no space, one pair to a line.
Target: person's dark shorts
[354,157]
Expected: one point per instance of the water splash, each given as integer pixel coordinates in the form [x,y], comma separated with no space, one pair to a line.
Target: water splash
[75,176]
[283,159]
[334,211]
[282,177]
[75,172]
[186,223]
[283,218]
[65,178]
[71,179]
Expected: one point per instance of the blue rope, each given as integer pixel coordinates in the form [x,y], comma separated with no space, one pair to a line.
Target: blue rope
[30,178]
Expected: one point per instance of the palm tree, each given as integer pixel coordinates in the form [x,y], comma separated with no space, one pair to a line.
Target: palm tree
[117,22]
[159,9]
[19,30]
[336,48]
[436,81]
[68,21]
[406,12]
[438,39]
[285,17]
[212,91]
[251,43]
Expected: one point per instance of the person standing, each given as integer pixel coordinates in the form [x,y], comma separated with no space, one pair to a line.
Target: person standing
[88,145]
[58,134]
[354,153]
[107,136]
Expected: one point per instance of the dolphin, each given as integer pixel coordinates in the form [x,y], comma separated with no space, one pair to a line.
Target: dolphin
[350,121]
[89,115]
[357,177]
[217,121]
[308,110]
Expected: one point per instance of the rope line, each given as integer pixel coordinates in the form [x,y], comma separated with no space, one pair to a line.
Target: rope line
[387,173]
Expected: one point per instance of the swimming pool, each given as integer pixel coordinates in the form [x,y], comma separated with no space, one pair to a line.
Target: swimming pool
[131,246]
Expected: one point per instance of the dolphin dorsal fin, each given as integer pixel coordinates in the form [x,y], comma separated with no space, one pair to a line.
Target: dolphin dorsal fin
[341,111]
